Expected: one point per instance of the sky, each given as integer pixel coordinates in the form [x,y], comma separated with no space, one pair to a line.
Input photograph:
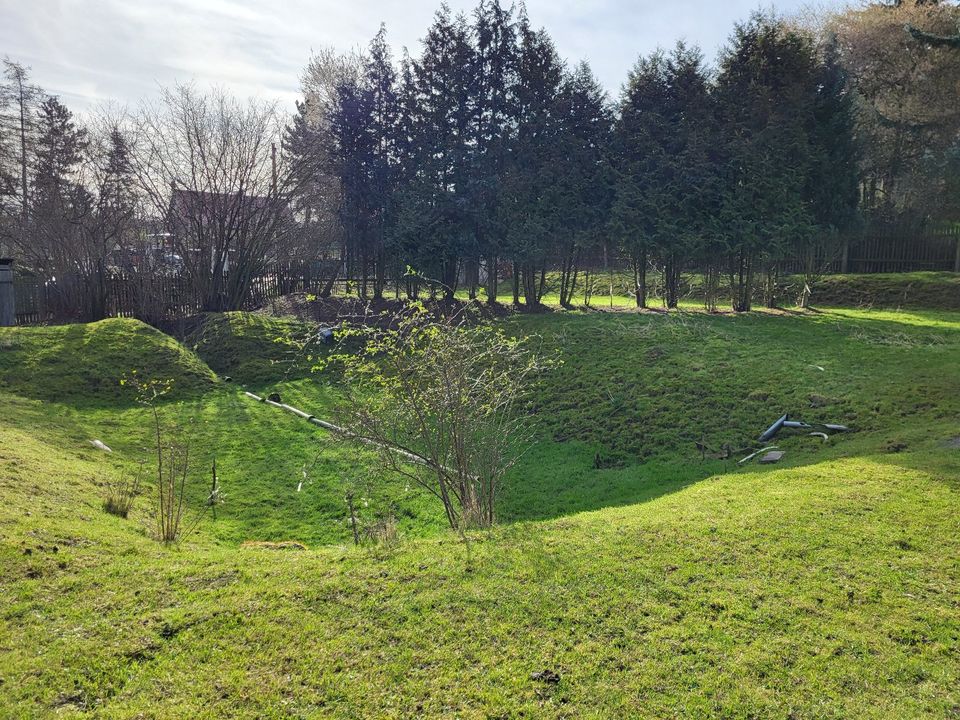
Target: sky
[91,51]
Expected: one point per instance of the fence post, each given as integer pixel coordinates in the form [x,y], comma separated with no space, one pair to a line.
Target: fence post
[8,308]
[956,257]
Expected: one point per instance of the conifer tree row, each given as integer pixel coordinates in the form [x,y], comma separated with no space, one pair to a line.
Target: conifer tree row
[487,155]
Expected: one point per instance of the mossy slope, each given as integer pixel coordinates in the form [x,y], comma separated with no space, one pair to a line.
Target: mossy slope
[251,348]
[83,364]
[824,587]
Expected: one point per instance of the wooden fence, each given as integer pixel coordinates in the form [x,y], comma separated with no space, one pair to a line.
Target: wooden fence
[167,297]
[893,251]
[160,296]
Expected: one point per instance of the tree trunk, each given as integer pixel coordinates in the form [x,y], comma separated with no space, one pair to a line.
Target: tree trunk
[450,270]
[743,300]
[671,277]
[472,272]
[711,285]
[492,279]
[640,278]
[379,275]
[770,286]
[529,284]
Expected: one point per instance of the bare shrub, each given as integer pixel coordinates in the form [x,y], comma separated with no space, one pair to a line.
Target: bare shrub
[441,400]
[383,531]
[173,468]
[173,471]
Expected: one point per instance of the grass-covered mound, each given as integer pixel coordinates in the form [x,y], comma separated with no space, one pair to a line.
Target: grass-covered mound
[651,585]
[84,363]
[890,290]
[251,348]
[824,591]
[283,478]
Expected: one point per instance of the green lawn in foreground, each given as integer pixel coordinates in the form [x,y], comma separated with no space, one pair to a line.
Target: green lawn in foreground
[659,587]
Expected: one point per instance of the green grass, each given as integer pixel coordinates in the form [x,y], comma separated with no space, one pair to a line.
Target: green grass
[891,290]
[661,586]
[83,363]
[250,348]
[923,290]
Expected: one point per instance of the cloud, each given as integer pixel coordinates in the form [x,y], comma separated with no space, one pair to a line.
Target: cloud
[93,50]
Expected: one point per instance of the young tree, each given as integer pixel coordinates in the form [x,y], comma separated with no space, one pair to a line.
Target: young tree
[442,400]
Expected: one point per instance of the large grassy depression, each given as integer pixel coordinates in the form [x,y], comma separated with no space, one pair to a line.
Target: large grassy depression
[648,581]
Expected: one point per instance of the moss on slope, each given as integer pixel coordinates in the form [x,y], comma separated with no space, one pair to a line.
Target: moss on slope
[83,364]
[249,347]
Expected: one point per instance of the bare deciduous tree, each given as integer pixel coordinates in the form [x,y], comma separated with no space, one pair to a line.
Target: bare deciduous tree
[906,89]
[209,166]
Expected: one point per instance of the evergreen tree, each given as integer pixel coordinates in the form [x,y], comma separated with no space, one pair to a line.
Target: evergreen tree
[581,190]
[530,217]
[58,201]
[19,101]
[311,148]
[495,56]
[435,213]
[666,175]
[767,91]
[104,207]
[639,162]
[833,182]
[353,158]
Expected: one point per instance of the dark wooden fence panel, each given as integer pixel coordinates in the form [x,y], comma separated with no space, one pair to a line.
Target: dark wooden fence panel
[168,297]
[899,252]
[30,295]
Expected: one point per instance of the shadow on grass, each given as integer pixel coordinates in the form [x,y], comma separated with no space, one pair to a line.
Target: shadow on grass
[553,479]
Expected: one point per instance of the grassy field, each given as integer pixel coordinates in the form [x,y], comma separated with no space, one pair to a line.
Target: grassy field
[629,577]
[924,290]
